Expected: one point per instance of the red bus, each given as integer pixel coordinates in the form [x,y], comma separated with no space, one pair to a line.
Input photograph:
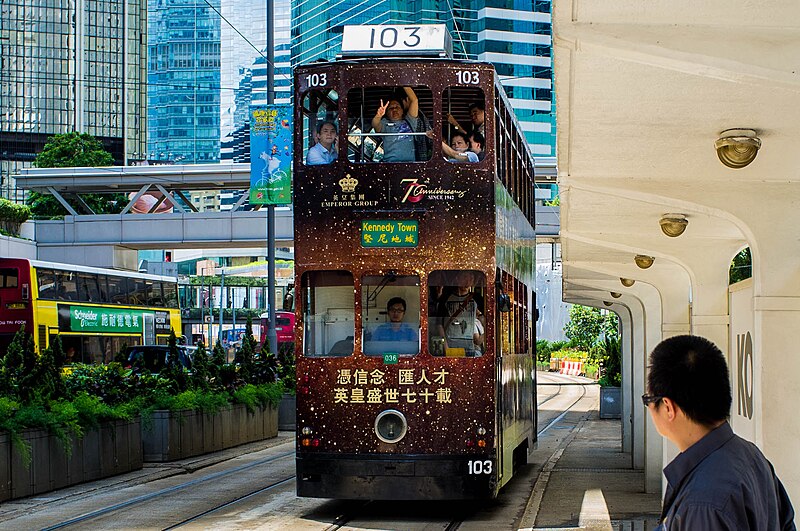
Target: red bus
[415,305]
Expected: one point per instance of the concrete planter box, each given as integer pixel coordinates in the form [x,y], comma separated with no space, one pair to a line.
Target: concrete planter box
[610,403]
[114,448]
[287,411]
[179,434]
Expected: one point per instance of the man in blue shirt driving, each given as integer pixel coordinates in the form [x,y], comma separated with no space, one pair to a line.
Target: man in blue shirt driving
[395,329]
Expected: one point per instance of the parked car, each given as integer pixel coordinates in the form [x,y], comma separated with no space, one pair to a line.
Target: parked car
[284,327]
[153,358]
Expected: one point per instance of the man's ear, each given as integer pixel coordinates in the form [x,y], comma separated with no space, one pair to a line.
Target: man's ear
[671,408]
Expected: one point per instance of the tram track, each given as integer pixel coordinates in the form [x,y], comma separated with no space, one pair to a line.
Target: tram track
[92,515]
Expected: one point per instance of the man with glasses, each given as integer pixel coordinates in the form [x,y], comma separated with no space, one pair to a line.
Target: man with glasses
[395,329]
[719,480]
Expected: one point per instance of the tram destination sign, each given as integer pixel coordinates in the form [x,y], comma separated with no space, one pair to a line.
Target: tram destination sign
[389,233]
[424,39]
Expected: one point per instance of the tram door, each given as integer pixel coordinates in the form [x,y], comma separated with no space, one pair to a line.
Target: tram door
[149,326]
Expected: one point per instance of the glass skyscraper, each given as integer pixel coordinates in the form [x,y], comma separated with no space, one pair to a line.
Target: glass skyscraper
[207,65]
[514,35]
[183,81]
[70,66]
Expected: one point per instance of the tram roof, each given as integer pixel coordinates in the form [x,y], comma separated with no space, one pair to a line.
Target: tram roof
[99,271]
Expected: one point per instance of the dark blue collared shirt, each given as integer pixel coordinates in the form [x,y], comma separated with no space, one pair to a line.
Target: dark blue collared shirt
[723,482]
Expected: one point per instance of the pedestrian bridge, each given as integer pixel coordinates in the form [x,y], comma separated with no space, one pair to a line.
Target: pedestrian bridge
[112,240]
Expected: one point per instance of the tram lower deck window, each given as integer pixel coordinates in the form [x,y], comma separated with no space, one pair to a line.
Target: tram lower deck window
[456,320]
[390,314]
[328,313]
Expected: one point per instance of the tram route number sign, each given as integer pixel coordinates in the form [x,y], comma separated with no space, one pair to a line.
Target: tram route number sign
[389,233]
[427,39]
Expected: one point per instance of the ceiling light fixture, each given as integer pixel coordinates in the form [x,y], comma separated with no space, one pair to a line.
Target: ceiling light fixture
[643,261]
[736,148]
[616,295]
[673,225]
[627,282]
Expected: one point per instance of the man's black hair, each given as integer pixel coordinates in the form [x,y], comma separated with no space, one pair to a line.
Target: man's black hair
[396,300]
[319,126]
[479,138]
[477,105]
[691,371]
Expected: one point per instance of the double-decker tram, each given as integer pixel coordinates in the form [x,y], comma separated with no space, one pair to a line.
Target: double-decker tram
[415,274]
[94,311]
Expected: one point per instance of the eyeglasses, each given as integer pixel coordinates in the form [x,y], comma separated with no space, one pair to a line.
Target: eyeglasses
[401,310]
[650,399]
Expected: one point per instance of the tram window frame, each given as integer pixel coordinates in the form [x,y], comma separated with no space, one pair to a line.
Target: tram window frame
[334,291]
[118,290]
[89,287]
[313,116]
[374,301]
[442,284]
[464,97]
[361,106]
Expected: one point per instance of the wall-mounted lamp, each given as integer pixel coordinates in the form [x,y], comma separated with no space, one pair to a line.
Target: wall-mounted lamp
[616,295]
[608,303]
[627,282]
[736,148]
[643,261]
[673,225]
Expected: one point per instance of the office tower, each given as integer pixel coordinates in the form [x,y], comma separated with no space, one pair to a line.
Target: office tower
[70,66]
[514,35]
[183,81]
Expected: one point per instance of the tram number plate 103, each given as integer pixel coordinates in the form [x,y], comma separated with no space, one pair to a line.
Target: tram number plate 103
[479,466]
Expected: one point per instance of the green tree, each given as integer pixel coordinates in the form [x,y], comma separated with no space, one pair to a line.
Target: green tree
[588,326]
[174,371]
[18,367]
[70,150]
[741,266]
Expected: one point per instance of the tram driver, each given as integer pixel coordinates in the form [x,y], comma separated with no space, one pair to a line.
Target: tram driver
[395,329]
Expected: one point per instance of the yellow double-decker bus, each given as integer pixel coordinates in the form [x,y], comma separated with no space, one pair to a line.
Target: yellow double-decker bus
[96,312]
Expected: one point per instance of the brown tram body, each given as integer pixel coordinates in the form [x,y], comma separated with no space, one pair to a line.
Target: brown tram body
[476,217]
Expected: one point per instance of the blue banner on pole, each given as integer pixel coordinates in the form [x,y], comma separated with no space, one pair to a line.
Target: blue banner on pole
[271,155]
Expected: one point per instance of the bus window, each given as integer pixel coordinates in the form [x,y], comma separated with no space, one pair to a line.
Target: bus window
[156,297]
[46,280]
[66,286]
[390,314]
[118,290]
[329,313]
[400,136]
[88,287]
[9,277]
[320,127]
[456,321]
[464,109]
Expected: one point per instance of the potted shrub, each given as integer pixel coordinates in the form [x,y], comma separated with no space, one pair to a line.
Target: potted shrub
[611,380]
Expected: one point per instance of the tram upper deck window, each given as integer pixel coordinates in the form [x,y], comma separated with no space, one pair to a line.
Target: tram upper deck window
[465,111]
[390,314]
[456,320]
[389,124]
[9,277]
[320,127]
[328,313]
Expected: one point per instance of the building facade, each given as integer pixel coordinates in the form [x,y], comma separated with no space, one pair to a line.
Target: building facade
[70,66]
[514,35]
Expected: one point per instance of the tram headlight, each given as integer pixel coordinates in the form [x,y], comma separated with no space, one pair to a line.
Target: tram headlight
[481,431]
[307,431]
[390,426]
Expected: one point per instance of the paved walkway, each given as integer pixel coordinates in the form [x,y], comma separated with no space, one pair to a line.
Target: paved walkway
[587,482]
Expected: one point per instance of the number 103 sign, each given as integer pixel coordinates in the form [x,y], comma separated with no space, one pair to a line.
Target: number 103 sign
[428,39]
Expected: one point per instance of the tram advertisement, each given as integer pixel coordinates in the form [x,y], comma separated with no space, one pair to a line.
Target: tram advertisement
[271,155]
